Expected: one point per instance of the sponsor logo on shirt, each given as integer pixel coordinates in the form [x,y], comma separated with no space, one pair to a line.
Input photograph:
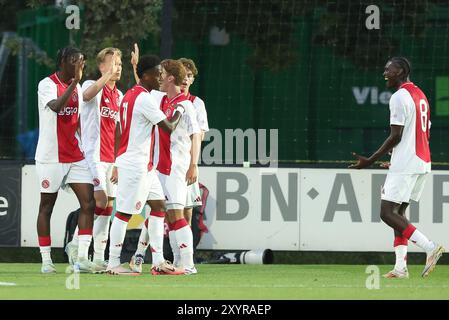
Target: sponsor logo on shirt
[108,113]
[68,111]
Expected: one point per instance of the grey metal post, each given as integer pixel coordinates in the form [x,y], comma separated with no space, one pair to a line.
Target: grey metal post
[166,30]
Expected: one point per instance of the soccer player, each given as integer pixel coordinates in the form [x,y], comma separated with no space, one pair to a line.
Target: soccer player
[193,190]
[59,159]
[409,166]
[98,135]
[136,176]
[178,159]
[194,195]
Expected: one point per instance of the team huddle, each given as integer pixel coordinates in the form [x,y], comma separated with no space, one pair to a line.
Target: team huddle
[143,148]
[138,148]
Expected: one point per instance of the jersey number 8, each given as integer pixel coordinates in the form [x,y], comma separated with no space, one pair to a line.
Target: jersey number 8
[423,108]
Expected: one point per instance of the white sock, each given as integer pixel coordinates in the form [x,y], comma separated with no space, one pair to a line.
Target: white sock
[144,239]
[174,248]
[156,233]
[100,234]
[421,241]
[184,239]
[45,254]
[83,245]
[401,257]
[117,235]
[75,239]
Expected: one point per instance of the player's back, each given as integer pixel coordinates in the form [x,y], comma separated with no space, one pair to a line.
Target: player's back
[139,113]
[409,108]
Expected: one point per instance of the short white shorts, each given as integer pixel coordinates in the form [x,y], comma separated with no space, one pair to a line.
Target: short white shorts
[175,190]
[401,188]
[193,196]
[53,176]
[134,188]
[102,172]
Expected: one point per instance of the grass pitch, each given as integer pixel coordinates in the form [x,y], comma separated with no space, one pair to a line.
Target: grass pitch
[248,282]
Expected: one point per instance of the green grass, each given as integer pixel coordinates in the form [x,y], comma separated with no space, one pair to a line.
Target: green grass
[227,282]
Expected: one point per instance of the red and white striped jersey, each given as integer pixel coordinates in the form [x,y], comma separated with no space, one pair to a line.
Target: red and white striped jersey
[174,148]
[409,108]
[139,114]
[201,114]
[99,117]
[58,138]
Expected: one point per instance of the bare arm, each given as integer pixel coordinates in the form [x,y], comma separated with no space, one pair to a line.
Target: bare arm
[93,90]
[192,172]
[57,104]
[135,61]
[118,136]
[170,125]
[393,139]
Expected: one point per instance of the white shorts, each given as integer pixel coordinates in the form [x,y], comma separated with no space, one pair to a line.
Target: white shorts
[193,195]
[401,188]
[135,187]
[175,190]
[53,176]
[102,172]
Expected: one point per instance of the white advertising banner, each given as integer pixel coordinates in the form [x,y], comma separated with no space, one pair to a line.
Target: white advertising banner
[65,203]
[321,209]
[282,209]
[241,213]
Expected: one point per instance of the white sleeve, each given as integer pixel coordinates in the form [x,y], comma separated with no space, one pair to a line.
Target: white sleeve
[201,114]
[148,107]
[190,119]
[86,85]
[46,91]
[397,110]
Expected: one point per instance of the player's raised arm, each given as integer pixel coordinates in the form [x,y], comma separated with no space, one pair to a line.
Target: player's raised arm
[59,103]
[93,90]
[135,61]
[170,125]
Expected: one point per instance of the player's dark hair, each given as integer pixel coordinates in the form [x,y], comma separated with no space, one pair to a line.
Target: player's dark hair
[147,62]
[65,53]
[404,64]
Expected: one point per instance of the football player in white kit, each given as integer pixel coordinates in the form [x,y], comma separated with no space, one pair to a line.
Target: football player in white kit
[194,195]
[193,190]
[136,175]
[178,159]
[410,165]
[59,159]
[99,134]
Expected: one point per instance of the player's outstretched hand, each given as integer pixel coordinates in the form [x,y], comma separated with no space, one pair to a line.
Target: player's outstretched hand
[114,175]
[192,174]
[79,66]
[135,56]
[362,162]
[114,65]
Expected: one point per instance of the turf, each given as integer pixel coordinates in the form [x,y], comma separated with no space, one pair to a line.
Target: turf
[226,282]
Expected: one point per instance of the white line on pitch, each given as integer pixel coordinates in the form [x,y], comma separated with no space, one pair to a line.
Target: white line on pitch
[7,284]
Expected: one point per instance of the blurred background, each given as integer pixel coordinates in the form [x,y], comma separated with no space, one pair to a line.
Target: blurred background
[309,68]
